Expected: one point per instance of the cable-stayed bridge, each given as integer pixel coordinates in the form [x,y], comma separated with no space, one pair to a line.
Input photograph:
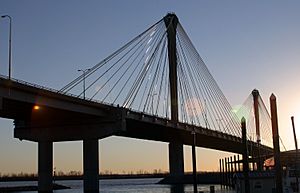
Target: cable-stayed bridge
[156,87]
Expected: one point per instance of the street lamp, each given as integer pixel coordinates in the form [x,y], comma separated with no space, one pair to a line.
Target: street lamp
[9,49]
[84,71]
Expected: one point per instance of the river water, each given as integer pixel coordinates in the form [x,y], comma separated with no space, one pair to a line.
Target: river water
[145,185]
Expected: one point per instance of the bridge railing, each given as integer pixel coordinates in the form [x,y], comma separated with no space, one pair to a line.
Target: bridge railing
[71,95]
[29,84]
[55,90]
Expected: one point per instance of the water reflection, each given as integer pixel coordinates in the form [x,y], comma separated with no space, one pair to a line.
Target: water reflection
[125,186]
[178,188]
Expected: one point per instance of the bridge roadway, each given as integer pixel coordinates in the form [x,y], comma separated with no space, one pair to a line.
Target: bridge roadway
[63,117]
[66,118]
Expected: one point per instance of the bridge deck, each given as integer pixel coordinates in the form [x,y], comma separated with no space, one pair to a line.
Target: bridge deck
[64,118]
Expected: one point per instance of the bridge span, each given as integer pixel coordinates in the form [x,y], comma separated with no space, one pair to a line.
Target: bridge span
[46,116]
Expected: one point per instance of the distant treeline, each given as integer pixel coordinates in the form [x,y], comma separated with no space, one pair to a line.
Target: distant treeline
[79,177]
[75,175]
[79,173]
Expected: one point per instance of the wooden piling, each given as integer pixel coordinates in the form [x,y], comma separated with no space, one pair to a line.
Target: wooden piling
[223,172]
[226,173]
[231,172]
[235,164]
[239,165]
[296,162]
[245,156]
[276,146]
[194,162]
[220,172]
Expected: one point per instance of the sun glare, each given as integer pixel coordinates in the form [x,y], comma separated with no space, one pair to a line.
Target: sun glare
[194,107]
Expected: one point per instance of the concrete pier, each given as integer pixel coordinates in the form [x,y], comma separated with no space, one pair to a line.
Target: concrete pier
[45,165]
[90,166]
[176,161]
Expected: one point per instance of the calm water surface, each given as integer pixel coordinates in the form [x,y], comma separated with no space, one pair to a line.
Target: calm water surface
[124,185]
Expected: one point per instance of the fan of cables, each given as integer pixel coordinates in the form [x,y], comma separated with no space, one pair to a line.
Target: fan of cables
[136,77]
[265,126]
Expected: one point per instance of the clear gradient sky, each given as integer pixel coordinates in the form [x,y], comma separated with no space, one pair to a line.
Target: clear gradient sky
[245,44]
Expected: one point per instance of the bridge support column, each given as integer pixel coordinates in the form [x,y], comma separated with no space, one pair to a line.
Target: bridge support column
[45,165]
[176,161]
[90,166]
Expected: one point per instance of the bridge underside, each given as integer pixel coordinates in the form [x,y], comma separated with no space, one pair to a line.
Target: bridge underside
[59,126]
[53,124]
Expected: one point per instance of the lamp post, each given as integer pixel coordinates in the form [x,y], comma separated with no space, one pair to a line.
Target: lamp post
[9,49]
[84,71]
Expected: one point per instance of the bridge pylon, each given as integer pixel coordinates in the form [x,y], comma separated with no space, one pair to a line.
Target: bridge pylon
[255,95]
[176,160]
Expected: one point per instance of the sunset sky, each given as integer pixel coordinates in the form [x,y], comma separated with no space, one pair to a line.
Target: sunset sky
[245,45]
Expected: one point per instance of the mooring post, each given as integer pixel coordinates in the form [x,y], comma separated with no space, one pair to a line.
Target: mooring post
[90,166]
[220,174]
[245,156]
[231,172]
[278,167]
[223,172]
[226,172]
[45,166]
[235,164]
[296,147]
[194,162]
[252,158]
[239,165]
